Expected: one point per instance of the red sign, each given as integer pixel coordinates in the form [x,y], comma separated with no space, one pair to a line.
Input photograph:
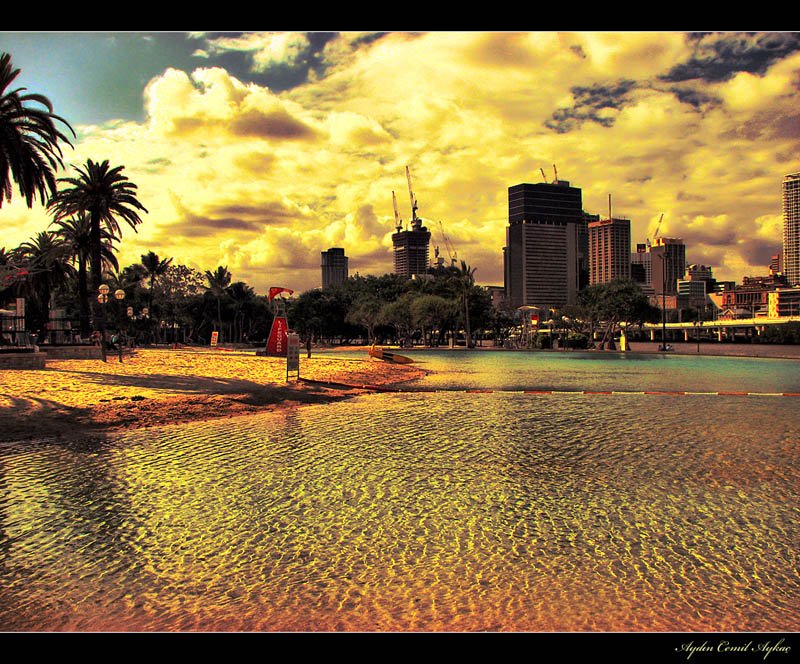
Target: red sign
[276,344]
[214,338]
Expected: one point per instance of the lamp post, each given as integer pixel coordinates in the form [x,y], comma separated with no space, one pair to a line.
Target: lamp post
[102,298]
[119,295]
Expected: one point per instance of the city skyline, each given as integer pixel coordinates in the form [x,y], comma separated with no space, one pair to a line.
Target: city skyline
[260,150]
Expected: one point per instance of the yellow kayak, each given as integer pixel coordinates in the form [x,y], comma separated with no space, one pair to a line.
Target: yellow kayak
[389,356]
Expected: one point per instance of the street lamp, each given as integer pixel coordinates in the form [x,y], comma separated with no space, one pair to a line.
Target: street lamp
[119,295]
[102,298]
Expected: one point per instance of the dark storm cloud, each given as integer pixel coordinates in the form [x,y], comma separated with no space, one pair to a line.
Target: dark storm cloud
[694,98]
[719,56]
[265,214]
[197,226]
[758,252]
[276,123]
[589,103]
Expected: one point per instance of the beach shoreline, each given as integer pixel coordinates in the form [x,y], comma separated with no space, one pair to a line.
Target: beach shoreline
[156,386]
[153,387]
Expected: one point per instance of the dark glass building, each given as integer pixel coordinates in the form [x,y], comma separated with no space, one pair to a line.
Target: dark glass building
[334,267]
[545,242]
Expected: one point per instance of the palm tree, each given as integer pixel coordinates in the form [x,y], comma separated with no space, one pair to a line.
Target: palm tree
[218,281]
[465,281]
[29,150]
[76,233]
[241,294]
[48,259]
[154,267]
[106,195]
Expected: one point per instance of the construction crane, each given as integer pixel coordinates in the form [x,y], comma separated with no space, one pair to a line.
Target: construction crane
[415,220]
[658,228]
[398,222]
[555,172]
[544,177]
[451,252]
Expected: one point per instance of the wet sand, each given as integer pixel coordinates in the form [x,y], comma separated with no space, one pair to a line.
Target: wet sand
[159,386]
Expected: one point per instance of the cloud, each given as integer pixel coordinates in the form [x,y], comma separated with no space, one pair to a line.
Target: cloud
[237,172]
[720,56]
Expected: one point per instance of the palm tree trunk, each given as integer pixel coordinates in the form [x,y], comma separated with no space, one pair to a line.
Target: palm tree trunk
[83,296]
[97,266]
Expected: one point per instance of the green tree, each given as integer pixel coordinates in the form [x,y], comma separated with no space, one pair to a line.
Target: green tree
[241,294]
[432,313]
[154,268]
[108,196]
[465,279]
[366,313]
[398,315]
[29,150]
[47,257]
[218,282]
[76,234]
[619,301]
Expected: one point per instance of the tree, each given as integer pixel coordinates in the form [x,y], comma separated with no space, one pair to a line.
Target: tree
[29,149]
[398,315]
[616,302]
[432,312]
[107,196]
[76,234]
[366,313]
[218,282]
[466,280]
[47,257]
[242,295]
[154,268]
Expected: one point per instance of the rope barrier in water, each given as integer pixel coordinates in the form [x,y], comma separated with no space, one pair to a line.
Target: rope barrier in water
[413,390]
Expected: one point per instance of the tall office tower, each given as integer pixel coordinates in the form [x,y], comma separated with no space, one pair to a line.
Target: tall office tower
[542,244]
[668,264]
[609,250]
[642,265]
[334,267]
[791,228]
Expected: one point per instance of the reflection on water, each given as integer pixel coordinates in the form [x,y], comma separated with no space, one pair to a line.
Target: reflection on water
[575,370]
[440,511]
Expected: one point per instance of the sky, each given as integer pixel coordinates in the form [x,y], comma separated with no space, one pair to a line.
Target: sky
[259,150]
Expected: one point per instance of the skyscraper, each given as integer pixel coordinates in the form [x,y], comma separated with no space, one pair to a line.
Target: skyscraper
[411,247]
[334,267]
[791,228]
[609,250]
[542,244]
[668,264]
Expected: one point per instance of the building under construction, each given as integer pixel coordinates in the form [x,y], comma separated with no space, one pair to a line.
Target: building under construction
[411,246]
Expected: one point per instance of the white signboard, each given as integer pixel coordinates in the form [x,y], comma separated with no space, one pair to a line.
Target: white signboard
[292,354]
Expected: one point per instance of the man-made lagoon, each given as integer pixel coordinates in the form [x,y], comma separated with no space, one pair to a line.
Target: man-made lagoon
[429,510]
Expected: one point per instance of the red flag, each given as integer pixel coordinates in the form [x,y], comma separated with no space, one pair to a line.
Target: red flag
[277,289]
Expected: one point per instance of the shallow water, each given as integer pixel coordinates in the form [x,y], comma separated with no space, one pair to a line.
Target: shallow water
[420,511]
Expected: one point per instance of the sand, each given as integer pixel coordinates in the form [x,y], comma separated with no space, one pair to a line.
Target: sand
[160,386]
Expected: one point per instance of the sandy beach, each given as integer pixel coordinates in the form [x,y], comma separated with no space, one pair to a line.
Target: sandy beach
[160,386]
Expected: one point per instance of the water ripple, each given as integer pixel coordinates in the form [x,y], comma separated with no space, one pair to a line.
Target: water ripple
[392,512]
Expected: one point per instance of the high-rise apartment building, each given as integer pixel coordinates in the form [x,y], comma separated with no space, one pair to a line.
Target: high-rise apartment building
[668,264]
[334,267]
[609,250]
[541,256]
[791,228]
